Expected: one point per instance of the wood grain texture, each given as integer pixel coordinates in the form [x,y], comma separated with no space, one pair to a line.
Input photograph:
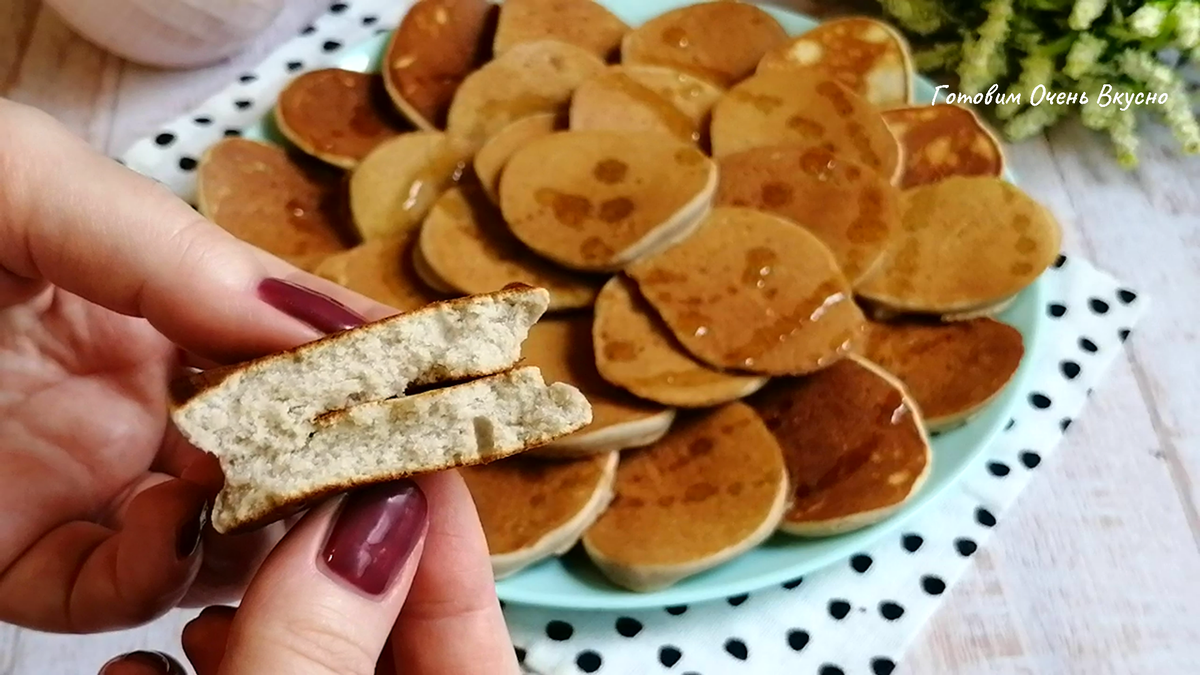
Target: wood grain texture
[1093,571]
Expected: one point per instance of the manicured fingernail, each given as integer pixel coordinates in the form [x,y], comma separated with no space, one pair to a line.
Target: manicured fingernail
[160,662]
[315,309]
[375,534]
[187,541]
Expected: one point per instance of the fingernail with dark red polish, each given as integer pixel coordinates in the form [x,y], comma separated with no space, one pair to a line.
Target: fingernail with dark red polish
[315,309]
[187,541]
[159,662]
[375,534]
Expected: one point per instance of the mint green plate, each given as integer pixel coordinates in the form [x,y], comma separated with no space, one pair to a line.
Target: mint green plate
[572,583]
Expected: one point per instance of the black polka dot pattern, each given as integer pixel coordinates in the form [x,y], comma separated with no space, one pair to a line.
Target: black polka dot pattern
[882,666]
[1098,306]
[164,139]
[202,121]
[242,104]
[669,656]
[737,600]
[1056,310]
[1064,424]
[830,669]
[1126,296]
[676,610]
[911,542]
[187,163]
[559,631]
[331,46]
[1069,369]
[933,585]
[1123,334]
[628,627]
[861,563]
[998,469]
[369,20]
[1060,261]
[1030,459]
[588,661]
[1010,424]
[247,78]
[985,517]
[793,584]
[308,30]
[293,66]
[232,133]
[839,609]
[1088,346]
[797,639]
[890,610]
[1039,400]
[520,654]
[965,547]
[338,7]
[737,649]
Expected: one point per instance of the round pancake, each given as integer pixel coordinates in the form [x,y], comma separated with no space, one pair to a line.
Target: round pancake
[964,243]
[583,23]
[710,490]
[436,46]
[693,96]
[394,187]
[636,352]
[277,202]
[533,509]
[530,78]
[719,41]
[493,156]
[381,269]
[785,108]
[855,445]
[430,278]
[951,370]
[752,292]
[598,200]
[943,140]
[867,56]
[850,207]
[613,101]
[562,349]
[466,244]
[337,116]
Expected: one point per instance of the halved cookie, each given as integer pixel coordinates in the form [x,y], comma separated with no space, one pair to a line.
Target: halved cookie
[848,205]
[598,200]
[719,41]
[562,348]
[493,156]
[535,509]
[637,352]
[614,101]
[337,116]
[436,46]
[866,55]
[750,291]
[964,244]
[466,245]
[394,187]
[528,79]
[783,108]
[583,23]
[283,204]
[943,140]
[951,370]
[712,489]
[855,445]
[382,269]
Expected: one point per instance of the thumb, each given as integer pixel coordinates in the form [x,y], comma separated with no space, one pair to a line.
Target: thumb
[325,600]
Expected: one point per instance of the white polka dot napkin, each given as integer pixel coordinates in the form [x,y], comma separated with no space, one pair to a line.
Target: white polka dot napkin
[858,616]
[854,617]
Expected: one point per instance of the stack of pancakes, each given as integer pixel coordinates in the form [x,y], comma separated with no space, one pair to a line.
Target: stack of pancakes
[771,274]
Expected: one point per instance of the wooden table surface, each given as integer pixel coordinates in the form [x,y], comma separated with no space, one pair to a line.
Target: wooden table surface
[1097,568]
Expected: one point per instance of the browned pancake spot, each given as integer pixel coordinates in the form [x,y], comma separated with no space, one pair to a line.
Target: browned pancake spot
[942,141]
[610,171]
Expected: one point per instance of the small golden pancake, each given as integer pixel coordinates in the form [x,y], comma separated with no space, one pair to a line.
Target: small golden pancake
[337,116]
[381,269]
[784,108]
[712,489]
[964,243]
[534,509]
[277,202]
[636,351]
[868,56]
[394,187]
[583,23]
[694,96]
[750,291]
[985,312]
[528,79]
[855,445]
[562,349]
[436,46]
[951,370]
[719,41]
[598,200]
[493,156]
[466,245]
[849,206]
[943,140]
[613,101]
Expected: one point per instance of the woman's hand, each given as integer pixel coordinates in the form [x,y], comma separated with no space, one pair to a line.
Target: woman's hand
[109,286]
